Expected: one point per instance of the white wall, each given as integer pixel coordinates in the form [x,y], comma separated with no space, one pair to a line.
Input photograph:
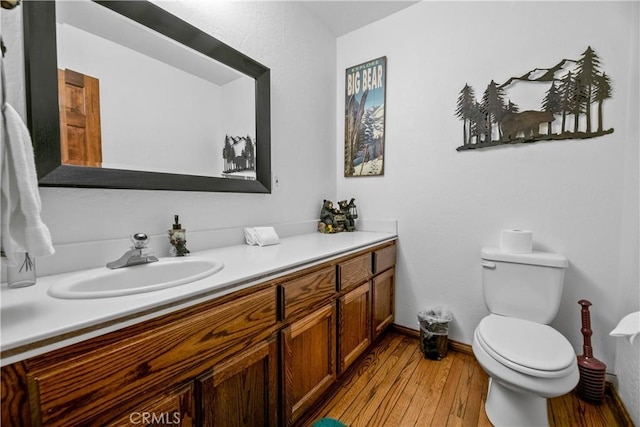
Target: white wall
[301,55]
[578,196]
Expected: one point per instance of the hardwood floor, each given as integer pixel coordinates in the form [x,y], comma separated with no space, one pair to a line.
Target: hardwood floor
[395,386]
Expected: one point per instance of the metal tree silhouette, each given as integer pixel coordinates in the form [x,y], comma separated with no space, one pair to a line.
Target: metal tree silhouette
[465,110]
[602,91]
[552,103]
[478,122]
[566,94]
[587,72]
[493,104]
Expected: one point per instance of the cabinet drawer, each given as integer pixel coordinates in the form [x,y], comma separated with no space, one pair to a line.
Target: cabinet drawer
[355,271]
[384,259]
[300,296]
[92,385]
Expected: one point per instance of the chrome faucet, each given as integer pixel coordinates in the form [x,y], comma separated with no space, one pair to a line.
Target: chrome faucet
[138,254]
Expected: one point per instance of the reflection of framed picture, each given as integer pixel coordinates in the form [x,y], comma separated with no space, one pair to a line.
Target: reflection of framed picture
[364,118]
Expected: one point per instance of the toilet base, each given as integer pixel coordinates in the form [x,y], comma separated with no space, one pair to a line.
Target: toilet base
[507,407]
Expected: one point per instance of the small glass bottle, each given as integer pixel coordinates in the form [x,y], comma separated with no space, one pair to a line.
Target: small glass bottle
[23,274]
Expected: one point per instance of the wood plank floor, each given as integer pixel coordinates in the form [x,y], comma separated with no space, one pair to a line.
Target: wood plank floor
[395,386]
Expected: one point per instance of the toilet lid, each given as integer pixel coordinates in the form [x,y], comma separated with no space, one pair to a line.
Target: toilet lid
[526,346]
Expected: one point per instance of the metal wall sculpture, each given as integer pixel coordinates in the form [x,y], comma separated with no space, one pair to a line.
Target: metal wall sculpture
[571,107]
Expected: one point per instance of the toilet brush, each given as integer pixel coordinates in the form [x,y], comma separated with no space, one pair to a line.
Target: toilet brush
[592,371]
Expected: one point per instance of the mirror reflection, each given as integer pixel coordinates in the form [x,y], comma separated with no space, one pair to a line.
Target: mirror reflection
[133,99]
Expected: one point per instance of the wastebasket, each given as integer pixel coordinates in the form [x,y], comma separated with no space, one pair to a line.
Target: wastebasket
[434,332]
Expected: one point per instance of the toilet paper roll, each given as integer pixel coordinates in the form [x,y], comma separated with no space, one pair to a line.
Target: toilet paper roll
[516,241]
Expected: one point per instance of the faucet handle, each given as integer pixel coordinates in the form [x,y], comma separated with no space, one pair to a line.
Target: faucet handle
[139,240]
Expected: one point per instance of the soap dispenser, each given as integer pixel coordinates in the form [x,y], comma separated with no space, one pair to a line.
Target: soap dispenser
[178,239]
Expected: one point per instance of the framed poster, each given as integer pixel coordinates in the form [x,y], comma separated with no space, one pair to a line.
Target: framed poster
[364,118]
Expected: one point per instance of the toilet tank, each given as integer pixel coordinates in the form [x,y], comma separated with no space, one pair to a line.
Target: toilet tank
[527,286]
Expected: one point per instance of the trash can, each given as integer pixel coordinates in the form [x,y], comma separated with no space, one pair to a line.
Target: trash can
[434,332]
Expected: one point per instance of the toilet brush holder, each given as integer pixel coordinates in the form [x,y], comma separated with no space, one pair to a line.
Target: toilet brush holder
[592,371]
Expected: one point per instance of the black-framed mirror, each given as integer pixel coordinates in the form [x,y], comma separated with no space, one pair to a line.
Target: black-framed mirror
[44,117]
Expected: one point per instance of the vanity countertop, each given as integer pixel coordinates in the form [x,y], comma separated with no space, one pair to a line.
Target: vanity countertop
[32,322]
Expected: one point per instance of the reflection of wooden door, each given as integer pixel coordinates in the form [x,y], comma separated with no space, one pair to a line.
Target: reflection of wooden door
[80,138]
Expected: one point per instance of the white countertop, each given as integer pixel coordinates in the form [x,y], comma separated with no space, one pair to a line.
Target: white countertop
[32,322]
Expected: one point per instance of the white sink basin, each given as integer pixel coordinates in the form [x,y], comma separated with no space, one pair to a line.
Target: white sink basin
[104,283]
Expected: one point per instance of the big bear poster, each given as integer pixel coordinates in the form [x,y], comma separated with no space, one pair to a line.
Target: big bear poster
[365,118]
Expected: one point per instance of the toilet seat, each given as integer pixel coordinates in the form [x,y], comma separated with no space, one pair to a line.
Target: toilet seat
[527,347]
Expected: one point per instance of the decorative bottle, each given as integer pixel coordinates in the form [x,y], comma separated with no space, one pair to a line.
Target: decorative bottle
[177,239]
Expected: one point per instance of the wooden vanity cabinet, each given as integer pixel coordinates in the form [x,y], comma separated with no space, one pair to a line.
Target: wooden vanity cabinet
[261,356]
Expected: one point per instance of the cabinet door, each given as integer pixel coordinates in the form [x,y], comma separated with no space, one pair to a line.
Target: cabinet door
[241,391]
[308,355]
[354,324]
[175,408]
[383,301]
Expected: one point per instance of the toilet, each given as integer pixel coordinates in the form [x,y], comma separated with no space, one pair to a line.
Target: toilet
[527,360]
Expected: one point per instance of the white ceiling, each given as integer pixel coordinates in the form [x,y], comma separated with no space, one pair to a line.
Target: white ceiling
[343,17]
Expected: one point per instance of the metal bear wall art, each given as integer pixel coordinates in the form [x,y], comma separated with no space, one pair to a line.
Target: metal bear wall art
[570,108]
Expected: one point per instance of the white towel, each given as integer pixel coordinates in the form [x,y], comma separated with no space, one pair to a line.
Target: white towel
[261,236]
[22,228]
[250,236]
